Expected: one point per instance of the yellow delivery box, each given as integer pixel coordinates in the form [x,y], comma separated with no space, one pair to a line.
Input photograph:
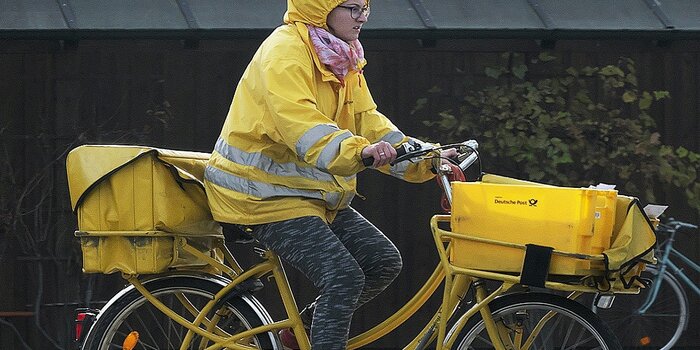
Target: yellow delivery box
[135,204]
[573,220]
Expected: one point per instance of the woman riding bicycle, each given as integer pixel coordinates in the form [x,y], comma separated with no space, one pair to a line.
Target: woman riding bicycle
[284,167]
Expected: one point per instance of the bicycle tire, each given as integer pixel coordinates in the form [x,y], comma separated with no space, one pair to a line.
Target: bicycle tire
[663,323]
[572,326]
[129,311]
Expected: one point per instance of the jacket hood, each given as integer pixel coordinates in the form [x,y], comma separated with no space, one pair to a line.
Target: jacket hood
[313,12]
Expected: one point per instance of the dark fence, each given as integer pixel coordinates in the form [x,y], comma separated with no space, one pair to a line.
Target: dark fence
[56,95]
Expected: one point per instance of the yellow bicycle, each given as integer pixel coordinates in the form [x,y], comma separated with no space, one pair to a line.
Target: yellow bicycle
[142,212]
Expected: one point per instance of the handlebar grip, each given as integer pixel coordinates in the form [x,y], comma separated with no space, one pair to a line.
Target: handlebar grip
[685,225]
[400,151]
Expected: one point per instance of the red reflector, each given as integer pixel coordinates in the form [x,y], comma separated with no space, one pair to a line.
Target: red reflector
[84,319]
[79,325]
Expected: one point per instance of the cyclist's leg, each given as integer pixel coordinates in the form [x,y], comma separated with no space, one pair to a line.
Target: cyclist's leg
[309,245]
[376,254]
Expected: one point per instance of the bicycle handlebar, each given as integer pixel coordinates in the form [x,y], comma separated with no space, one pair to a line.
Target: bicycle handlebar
[674,226]
[410,151]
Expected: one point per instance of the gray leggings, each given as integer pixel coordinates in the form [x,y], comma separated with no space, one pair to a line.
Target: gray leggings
[350,261]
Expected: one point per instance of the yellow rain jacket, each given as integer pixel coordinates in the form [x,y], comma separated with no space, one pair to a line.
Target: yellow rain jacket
[291,143]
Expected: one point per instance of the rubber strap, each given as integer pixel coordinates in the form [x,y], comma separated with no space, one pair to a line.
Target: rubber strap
[536,265]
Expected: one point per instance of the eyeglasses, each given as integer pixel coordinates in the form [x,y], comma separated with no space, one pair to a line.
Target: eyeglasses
[357,11]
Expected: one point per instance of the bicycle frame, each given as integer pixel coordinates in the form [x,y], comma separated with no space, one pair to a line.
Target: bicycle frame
[271,264]
[665,263]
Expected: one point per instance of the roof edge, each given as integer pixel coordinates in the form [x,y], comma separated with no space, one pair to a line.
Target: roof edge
[480,33]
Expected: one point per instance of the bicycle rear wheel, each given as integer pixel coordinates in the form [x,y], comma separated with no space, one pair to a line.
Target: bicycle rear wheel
[130,311]
[661,326]
[571,326]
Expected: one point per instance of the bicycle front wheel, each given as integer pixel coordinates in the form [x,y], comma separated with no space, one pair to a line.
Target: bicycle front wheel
[661,325]
[185,295]
[546,321]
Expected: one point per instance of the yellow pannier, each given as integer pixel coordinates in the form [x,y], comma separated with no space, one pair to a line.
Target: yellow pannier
[135,205]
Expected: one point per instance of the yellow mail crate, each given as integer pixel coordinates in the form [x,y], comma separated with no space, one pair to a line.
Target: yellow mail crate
[134,203]
[574,220]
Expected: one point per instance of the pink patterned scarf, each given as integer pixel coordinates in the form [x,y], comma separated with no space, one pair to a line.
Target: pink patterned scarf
[339,56]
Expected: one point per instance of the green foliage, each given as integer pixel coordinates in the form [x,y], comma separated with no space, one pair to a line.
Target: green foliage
[566,125]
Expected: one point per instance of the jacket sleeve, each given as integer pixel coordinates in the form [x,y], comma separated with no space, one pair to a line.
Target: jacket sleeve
[376,127]
[313,136]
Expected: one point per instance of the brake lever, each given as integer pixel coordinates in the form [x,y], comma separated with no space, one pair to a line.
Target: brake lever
[412,151]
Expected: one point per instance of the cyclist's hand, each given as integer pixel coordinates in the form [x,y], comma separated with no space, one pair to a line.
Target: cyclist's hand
[448,153]
[382,152]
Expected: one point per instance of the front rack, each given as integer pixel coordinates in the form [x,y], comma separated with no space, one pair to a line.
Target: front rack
[583,284]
